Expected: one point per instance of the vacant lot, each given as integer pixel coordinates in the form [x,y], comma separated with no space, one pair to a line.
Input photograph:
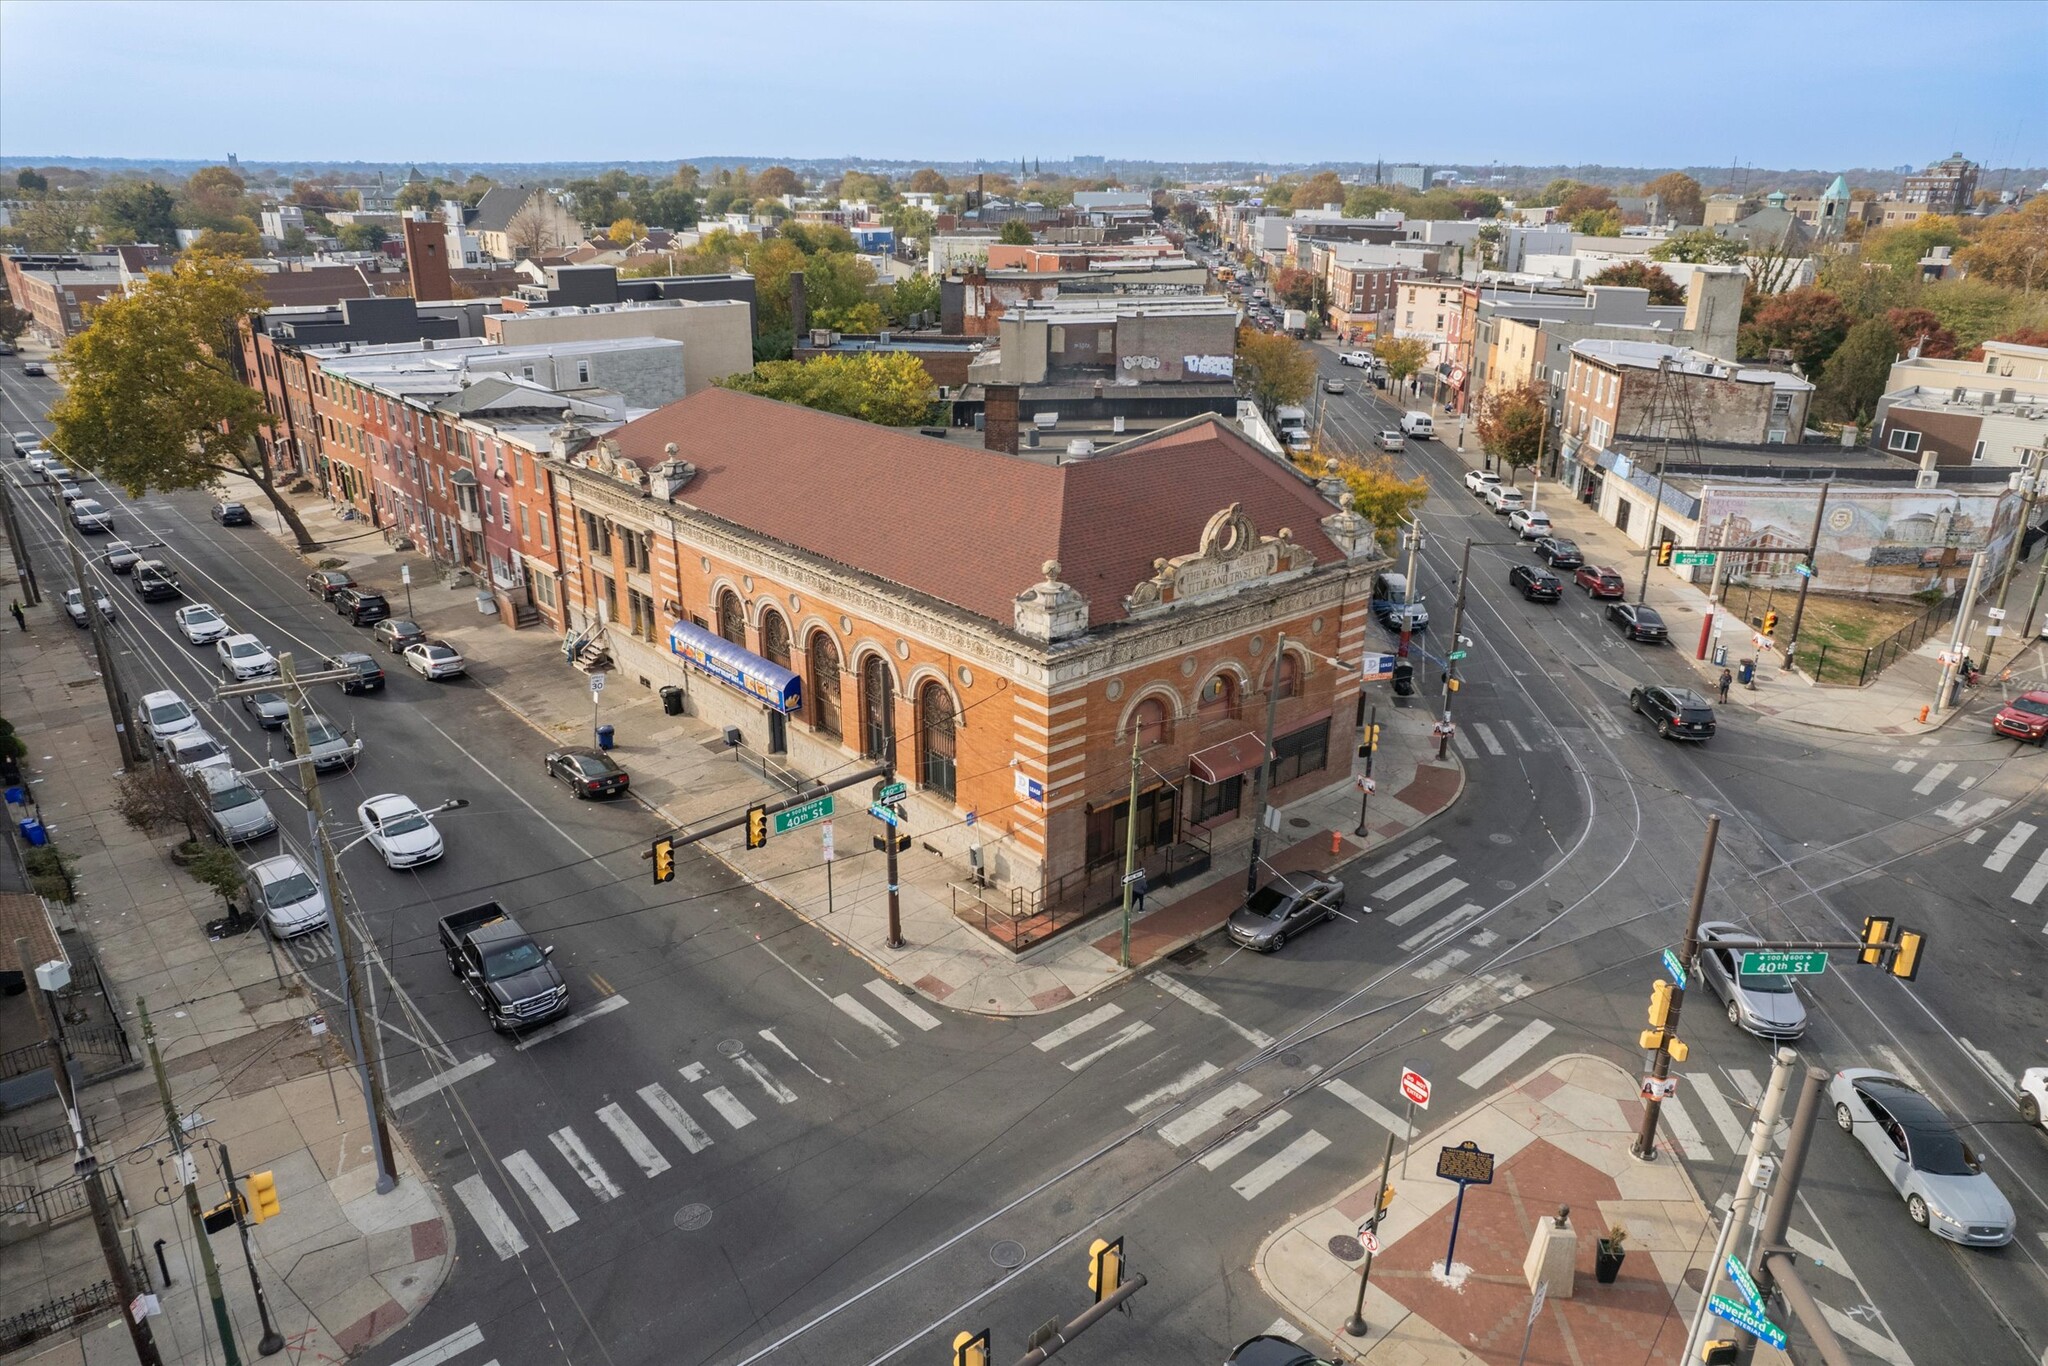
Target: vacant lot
[1837,629]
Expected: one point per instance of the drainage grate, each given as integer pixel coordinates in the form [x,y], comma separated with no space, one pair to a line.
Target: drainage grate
[690,1218]
[1498,838]
[1008,1254]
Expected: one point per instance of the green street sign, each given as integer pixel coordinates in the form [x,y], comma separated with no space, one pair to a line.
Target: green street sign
[1774,962]
[1455,654]
[891,792]
[1693,557]
[799,816]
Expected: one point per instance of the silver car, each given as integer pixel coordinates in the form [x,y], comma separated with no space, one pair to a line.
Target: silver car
[1766,1004]
[1920,1153]
[235,809]
[286,896]
[329,748]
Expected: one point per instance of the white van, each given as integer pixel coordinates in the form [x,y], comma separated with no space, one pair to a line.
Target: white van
[1418,425]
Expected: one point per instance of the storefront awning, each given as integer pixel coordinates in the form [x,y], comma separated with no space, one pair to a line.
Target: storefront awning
[766,682]
[1221,763]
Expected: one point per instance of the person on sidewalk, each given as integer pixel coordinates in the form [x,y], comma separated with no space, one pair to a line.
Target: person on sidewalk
[1727,682]
[20,619]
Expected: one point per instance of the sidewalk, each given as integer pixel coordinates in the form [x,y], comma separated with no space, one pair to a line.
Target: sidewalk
[683,770]
[342,1266]
[1561,1136]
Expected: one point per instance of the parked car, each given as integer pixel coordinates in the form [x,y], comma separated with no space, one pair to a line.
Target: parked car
[1504,500]
[271,709]
[1479,481]
[1677,713]
[286,896]
[202,623]
[1600,581]
[69,491]
[325,583]
[326,745]
[2024,718]
[90,515]
[74,607]
[119,557]
[1391,440]
[244,657]
[362,606]
[1537,585]
[1333,385]
[193,750]
[1559,553]
[1267,1349]
[395,633]
[1285,906]
[26,441]
[1917,1148]
[1637,621]
[33,369]
[1529,525]
[398,830]
[369,674]
[435,659]
[164,714]
[588,772]
[1763,1003]
[231,514]
[1360,358]
[234,808]
[2032,1094]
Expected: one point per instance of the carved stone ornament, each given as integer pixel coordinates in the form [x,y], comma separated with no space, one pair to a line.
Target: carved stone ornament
[1233,556]
[1351,532]
[1051,610]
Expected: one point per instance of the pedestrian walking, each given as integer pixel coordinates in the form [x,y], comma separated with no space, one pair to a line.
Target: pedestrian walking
[20,618]
[1727,682]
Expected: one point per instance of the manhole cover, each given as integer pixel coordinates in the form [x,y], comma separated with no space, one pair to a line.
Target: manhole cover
[1007,1254]
[1346,1248]
[1290,1059]
[1297,822]
[690,1218]
[1506,884]
[732,1048]
[1502,839]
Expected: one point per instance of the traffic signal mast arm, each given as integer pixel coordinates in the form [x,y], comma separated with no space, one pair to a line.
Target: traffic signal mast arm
[809,794]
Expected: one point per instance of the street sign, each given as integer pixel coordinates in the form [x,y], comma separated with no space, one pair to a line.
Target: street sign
[1739,1274]
[1415,1087]
[884,815]
[1030,789]
[597,683]
[1455,654]
[1995,613]
[1367,1239]
[1760,961]
[1693,557]
[1742,1316]
[796,817]
[1536,1300]
[1675,968]
[1805,571]
[891,792]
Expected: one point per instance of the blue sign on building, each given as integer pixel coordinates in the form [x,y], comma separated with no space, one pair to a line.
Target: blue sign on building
[763,680]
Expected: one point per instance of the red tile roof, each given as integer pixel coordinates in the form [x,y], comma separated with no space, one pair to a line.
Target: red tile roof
[963,525]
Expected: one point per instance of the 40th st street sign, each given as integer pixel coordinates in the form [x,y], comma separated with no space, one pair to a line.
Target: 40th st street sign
[1693,557]
[1760,962]
[799,816]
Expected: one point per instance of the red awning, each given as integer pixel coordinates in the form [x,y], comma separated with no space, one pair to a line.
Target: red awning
[1220,763]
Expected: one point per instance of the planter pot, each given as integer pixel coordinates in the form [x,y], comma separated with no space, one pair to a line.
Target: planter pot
[1606,1264]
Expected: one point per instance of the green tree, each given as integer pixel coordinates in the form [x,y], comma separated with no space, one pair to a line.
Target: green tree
[686,177]
[1403,356]
[1856,373]
[916,294]
[417,194]
[1511,424]
[1273,369]
[152,399]
[1902,247]
[1557,192]
[890,389]
[294,242]
[1701,247]
[776,182]
[361,236]
[1641,275]
[214,197]
[54,223]
[236,242]
[1808,322]
[137,211]
[29,181]
[13,322]
[1678,194]
[664,206]
[1322,188]
[1015,233]
[1597,223]
[912,224]
[839,291]
[1975,309]
[1296,288]
[1366,200]
[927,181]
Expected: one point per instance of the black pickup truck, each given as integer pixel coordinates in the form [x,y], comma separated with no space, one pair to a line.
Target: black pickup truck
[506,972]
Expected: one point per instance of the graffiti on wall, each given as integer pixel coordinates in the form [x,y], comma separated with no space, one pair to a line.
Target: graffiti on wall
[1887,541]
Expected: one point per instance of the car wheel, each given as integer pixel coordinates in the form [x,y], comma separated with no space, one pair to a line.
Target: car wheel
[2030,1109]
[1278,940]
[1916,1210]
[1664,729]
[1635,703]
[1735,1014]
[1844,1120]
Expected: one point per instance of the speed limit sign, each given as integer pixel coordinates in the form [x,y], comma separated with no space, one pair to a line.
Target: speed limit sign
[597,683]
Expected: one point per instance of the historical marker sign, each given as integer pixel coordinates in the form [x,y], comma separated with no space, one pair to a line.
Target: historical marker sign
[1466,1165]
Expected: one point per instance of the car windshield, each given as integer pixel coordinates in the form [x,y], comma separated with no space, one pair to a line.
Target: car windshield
[1766,983]
[288,890]
[403,825]
[245,650]
[2030,706]
[266,700]
[1270,902]
[228,798]
[513,959]
[166,712]
[589,765]
[320,733]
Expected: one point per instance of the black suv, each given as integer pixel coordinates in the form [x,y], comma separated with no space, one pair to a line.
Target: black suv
[1678,713]
[1537,585]
[369,674]
[362,606]
[154,581]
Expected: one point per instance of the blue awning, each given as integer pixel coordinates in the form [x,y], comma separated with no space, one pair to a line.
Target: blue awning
[764,681]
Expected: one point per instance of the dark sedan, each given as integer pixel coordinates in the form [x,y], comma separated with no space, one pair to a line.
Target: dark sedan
[1636,621]
[1677,713]
[1537,585]
[369,674]
[231,514]
[1287,905]
[1559,553]
[1268,1349]
[588,772]
[395,633]
[325,583]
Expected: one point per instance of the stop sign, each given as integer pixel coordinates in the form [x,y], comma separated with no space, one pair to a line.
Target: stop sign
[1415,1087]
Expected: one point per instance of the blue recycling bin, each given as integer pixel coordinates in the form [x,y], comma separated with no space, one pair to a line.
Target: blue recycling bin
[1747,672]
[17,796]
[604,737]
[32,831]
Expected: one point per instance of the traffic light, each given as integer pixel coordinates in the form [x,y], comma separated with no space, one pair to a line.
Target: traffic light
[664,860]
[1877,931]
[970,1349]
[1105,1267]
[221,1216]
[1368,740]
[1905,963]
[1660,1002]
[757,826]
[1770,623]
[1719,1352]
[263,1201]
[1664,552]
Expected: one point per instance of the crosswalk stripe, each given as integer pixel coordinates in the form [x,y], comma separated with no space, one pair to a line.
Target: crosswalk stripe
[1683,1130]
[781,1094]
[1440,928]
[1998,1070]
[447,1349]
[1281,1328]
[862,1015]
[546,1200]
[498,1229]
[1875,1343]
[585,1165]
[1416,877]
[1466,1033]
[678,1121]
[1503,1057]
[1173,986]
[2020,833]
[1904,765]
[1520,743]
[1074,1029]
[1453,999]
[1137,1029]
[1485,734]
[1427,901]
[1200,1119]
[1933,779]
[1441,964]
[729,1107]
[1746,1085]
[1959,815]
[1395,860]
[1717,1108]
[1370,1108]
[1975,836]
[1255,1181]
[445,1078]
[901,1004]
[2036,878]
[1179,1086]
[1241,1140]
[1897,1065]
[1464,745]
[637,1146]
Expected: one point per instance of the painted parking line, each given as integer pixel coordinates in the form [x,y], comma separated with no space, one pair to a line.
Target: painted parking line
[1416,877]
[1485,734]
[1370,1108]
[441,1080]
[1175,1089]
[584,1163]
[1241,1140]
[1503,1057]
[1130,1033]
[901,1004]
[636,1143]
[1074,1029]
[497,1227]
[1276,1167]
[1427,902]
[1200,1119]
[1173,986]
[547,1202]
[675,1119]
[2020,833]
[867,1019]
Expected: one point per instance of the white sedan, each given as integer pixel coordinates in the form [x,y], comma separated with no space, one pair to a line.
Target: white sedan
[194,750]
[435,659]
[396,828]
[202,623]
[244,656]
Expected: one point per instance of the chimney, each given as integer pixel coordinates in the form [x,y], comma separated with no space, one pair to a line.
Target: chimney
[426,259]
[799,314]
[999,418]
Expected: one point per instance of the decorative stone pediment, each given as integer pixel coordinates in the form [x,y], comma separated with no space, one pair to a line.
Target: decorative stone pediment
[1351,532]
[1051,610]
[1233,556]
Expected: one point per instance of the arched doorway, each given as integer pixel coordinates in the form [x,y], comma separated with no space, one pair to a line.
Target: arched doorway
[877,709]
[775,640]
[732,618]
[937,743]
[824,683]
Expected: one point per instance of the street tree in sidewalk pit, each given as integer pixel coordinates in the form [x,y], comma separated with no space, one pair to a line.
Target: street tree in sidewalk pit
[1511,425]
[1273,369]
[1402,356]
[153,400]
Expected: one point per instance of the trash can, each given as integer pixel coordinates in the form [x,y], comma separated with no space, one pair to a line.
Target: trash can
[18,796]
[1404,678]
[672,699]
[32,831]
[604,737]
[1747,672]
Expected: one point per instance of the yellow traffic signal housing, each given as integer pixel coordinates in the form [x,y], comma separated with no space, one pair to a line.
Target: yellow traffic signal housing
[1677,1049]
[1719,1352]
[1368,740]
[1663,552]
[1105,1267]
[1649,1038]
[1877,930]
[1770,623]
[1453,684]
[757,826]
[263,1201]
[1905,962]
[1657,1038]
[1660,1002]
[664,861]
[970,1349]
[1386,1203]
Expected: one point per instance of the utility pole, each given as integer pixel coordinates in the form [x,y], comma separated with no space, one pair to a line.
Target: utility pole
[1414,584]
[31,593]
[1131,847]
[1743,1204]
[1645,1149]
[1443,740]
[1812,568]
[87,1164]
[188,1177]
[346,948]
[1251,871]
[117,699]
[1956,636]
[1777,1272]
[890,839]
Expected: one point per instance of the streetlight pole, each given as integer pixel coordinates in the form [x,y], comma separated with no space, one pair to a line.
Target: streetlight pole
[2031,482]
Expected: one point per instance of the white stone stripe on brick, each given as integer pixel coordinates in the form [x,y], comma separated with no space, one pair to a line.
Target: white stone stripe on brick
[1173,986]
[1683,1129]
[729,1107]
[498,1228]
[447,1349]
[1428,901]
[1393,861]
[676,1119]
[1200,1119]
[1440,928]
[866,1018]
[1718,1110]
[1485,734]
[2036,878]
[584,1164]
[1238,1142]
[1131,1032]
[1464,745]
[901,1004]
[1178,1087]
[547,1202]
[1933,779]
[1441,964]
[1274,1168]
[637,1146]
[1504,1057]
[2007,847]
[779,1093]
[1074,1029]
[1370,1108]
[1416,877]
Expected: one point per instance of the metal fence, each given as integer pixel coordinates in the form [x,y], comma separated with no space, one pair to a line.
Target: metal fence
[98,1047]
[45,1204]
[62,1314]
[43,1144]
[1036,914]
[1856,665]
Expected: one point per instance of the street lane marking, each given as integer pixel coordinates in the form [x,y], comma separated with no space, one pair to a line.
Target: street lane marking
[447,1349]
[546,1200]
[1416,877]
[1682,1129]
[1393,861]
[582,1017]
[2007,847]
[1137,1029]
[769,1035]
[901,1004]
[729,1107]
[781,1094]
[1454,998]
[1718,1110]
[1238,1142]
[498,1229]
[1974,836]
[2036,878]
[445,1078]
[1172,986]
[1440,928]
[862,1015]
[695,1071]
[1604,723]
[1998,1070]
[1485,734]
[1466,1033]
[1178,1087]
[1074,1029]
[1933,779]
[1440,965]
[1255,1181]
[1427,902]
[584,1164]
[1464,745]
[1956,814]
[1202,1118]
[1898,1065]
[1503,1057]
[1524,745]
[637,1146]
[671,1113]
[1904,766]
[1370,1108]
[1849,1330]
[1746,1085]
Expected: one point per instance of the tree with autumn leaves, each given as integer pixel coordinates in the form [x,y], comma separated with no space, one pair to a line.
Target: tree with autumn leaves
[1273,369]
[1642,275]
[891,389]
[1511,425]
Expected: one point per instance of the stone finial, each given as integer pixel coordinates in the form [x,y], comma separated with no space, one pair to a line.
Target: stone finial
[1564,1215]
[1051,569]
[1052,610]
[1350,532]
[671,450]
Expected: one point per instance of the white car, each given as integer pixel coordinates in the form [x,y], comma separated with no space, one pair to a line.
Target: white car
[1503,499]
[395,827]
[202,623]
[1479,481]
[435,659]
[2033,1094]
[165,714]
[193,750]
[244,656]
[286,896]
[1361,359]
[1529,524]
[74,607]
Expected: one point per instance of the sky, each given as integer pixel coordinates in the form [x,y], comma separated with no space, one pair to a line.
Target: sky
[1780,85]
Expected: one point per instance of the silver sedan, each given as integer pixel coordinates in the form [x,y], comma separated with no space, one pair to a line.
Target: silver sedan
[1764,1003]
[1918,1149]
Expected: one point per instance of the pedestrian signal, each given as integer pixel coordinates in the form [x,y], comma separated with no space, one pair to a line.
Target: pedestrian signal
[970,1349]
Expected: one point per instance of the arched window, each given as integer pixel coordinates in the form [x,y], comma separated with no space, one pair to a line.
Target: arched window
[877,709]
[1288,682]
[824,681]
[775,639]
[732,618]
[1219,697]
[1150,718]
[936,738]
